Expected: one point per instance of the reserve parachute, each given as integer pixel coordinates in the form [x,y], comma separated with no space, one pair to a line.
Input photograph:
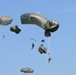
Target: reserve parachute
[15,29]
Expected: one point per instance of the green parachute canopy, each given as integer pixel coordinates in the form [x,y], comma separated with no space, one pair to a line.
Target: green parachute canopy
[41,21]
[5,20]
[27,70]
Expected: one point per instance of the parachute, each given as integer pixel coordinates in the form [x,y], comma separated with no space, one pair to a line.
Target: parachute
[42,49]
[41,21]
[5,20]
[43,40]
[27,70]
[15,29]
[49,59]
[33,44]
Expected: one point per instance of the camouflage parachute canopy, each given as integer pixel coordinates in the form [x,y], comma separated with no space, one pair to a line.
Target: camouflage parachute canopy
[27,70]
[41,21]
[5,20]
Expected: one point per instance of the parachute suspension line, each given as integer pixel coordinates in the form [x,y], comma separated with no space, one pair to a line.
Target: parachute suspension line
[3,35]
[48,48]
[33,42]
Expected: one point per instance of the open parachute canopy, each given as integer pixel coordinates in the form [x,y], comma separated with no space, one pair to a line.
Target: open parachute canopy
[5,20]
[27,70]
[41,21]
